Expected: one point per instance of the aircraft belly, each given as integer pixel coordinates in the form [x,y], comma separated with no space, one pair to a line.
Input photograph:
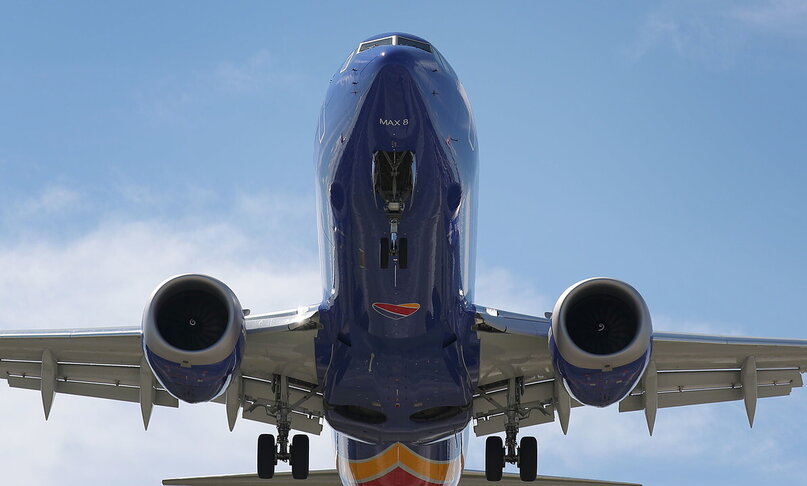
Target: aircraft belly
[397,355]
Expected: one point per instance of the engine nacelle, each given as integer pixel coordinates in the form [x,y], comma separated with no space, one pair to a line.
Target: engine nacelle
[600,341]
[193,336]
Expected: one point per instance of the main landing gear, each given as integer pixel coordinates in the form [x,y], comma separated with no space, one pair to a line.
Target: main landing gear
[526,457]
[498,452]
[270,453]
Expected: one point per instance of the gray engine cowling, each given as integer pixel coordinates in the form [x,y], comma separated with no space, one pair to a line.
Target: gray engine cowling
[600,340]
[193,336]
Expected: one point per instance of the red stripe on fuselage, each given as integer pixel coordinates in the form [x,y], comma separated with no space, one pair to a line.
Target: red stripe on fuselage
[399,477]
[401,310]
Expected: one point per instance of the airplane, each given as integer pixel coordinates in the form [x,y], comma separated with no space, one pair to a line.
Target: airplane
[398,357]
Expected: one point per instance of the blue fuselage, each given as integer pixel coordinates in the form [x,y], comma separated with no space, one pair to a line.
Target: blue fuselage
[396,166]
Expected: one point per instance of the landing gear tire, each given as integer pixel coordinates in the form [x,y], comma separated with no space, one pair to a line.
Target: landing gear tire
[494,458]
[266,456]
[299,457]
[528,459]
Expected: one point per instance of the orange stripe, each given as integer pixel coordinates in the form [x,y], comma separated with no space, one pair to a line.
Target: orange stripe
[367,468]
[423,466]
[401,456]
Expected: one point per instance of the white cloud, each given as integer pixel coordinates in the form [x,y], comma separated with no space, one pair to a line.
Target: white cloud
[668,324]
[103,277]
[253,73]
[178,95]
[606,444]
[499,288]
[786,18]
[700,34]
[52,200]
[716,33]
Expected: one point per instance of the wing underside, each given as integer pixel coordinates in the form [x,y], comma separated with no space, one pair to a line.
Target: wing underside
[684,369]
[278,364]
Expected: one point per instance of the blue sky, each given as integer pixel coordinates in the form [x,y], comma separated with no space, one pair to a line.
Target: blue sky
[662,143]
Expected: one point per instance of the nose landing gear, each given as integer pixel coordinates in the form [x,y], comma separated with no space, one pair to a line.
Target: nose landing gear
[394,183]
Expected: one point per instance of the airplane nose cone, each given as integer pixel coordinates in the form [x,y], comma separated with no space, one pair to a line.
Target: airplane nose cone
[403,60]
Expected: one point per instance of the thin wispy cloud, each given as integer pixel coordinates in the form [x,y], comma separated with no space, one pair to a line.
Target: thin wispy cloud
[786,18]
[251,74]
[499,288]
[180,93]
[51,200]
[716,33]
[716,434]
[103,277]
[701,35]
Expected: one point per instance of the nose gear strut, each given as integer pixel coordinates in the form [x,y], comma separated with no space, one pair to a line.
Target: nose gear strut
[394,182]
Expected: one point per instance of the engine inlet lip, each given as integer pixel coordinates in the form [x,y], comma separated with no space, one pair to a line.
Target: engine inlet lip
[156,343]
[188,284]
[634,350]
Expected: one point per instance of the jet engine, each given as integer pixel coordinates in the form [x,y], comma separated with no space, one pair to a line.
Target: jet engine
[193,336]
[600,340]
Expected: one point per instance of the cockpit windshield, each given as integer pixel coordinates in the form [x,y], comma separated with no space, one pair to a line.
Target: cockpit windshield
[386,41]
[395,40]
[403,41]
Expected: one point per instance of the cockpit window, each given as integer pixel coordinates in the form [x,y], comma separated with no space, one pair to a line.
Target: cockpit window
[347,62]
[395,40]
[403,41]
[386,41]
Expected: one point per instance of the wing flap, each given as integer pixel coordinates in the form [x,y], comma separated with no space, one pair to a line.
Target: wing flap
[691,369]
[301,422]
[95,390]
[698,397]
[107,374]
[98,363]
[683,380]
[496,423]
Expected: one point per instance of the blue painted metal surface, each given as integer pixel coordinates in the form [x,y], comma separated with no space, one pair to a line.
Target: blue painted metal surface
[412,378]
[596,387]
[199,383]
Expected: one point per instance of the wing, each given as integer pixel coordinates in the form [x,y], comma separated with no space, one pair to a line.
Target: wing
[109,363]
[690,369]
[331,478]
[513,347]
[684,370]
